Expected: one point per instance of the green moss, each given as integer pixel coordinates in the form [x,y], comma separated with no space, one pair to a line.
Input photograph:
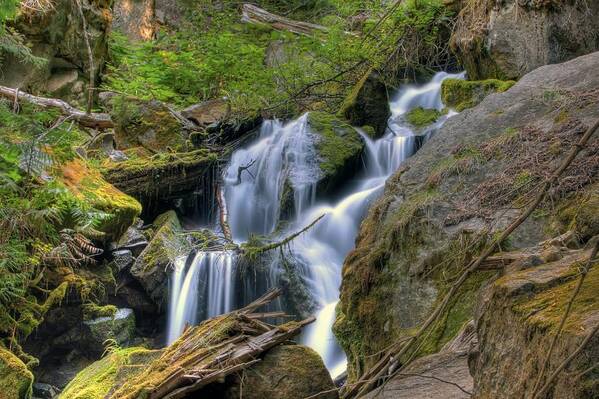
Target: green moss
[338,144]
[15,379]
[462,94]
[581,213]
[96,381]
[89,187]
[421,117]
[93,311]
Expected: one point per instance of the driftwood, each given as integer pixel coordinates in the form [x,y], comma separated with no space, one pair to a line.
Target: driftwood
[92,120]
[208,353]
[256,15]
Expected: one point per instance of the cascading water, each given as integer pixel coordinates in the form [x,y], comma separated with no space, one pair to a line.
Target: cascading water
[284,158]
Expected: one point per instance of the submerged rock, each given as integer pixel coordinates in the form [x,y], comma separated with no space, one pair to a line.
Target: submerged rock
[15,379]
[507,39]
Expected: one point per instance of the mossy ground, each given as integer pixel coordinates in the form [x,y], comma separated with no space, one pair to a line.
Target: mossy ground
[462,94]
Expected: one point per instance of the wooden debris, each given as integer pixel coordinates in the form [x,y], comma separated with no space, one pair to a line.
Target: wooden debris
[208,353]
[256,15]
[92,120]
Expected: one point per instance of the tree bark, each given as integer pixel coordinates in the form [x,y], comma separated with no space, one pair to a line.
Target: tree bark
[256,15]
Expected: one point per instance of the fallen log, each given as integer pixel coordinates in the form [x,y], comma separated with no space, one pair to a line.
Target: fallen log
[208,353]
[223,213]
[256,15]
[91,120]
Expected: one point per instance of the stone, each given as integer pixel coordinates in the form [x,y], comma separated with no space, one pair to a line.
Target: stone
[15,379]
[123,259]
[59,80]
[285,372]
[45,391]
[208,112]
[368,104]
[507,39]
[415,233]
[151,267]
[120,328]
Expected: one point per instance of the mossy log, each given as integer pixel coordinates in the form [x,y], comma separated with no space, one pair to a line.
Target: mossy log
[209,352]
[92,120]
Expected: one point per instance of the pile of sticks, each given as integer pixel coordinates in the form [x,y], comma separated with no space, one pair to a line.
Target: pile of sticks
[208,353]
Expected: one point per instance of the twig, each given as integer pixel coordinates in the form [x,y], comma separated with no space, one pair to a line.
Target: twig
[90,88]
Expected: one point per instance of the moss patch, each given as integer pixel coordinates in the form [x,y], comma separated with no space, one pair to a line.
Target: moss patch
[88,186]
[421,117]
[96,381]
[462,94]
[339,144]
[15,378]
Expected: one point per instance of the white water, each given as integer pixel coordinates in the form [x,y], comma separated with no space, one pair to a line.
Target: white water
[286,153]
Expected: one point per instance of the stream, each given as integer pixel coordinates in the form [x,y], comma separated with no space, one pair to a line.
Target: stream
[207,284]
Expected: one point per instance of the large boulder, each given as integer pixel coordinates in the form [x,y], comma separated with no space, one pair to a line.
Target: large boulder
[15,379]
[56,35]
[445,203]
[507,39]
[520,314]
[151,267]
[285,372]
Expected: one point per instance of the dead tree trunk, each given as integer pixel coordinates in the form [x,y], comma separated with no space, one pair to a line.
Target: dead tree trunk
[256,15]
[91,120]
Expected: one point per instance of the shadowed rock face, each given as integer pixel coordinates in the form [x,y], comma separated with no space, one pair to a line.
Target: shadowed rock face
[465,183]
[506,39]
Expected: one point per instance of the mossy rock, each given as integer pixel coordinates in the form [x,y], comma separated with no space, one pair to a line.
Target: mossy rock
[150,268]
[88,186]
[287,371]
[420,117]
[15,379]
[368,104]
[98,379]
[150,124]
[462,94]
[339,148]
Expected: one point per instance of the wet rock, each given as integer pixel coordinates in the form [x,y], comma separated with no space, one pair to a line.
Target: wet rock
[368,104]
[123,259]
[151,267]
[44,391]
[286,372]
[507,39]
[120,327]
[15,378]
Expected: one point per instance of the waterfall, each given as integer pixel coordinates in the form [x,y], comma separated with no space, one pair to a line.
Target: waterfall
[260,177]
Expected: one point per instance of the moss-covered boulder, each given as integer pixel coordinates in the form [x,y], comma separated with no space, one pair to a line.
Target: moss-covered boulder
[151,267]
[119,327]
[443,206]
[286,372]
[368,104]
[520,315]
[97,380]
[461,94]
[88,186]
[339,149]
[148,124]
[15,379]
